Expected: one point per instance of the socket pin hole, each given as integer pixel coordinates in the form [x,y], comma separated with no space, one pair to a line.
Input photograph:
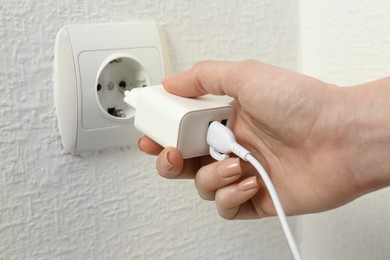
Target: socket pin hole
[122,84]
[111,110]
[110,86]
[99,87]
[118,60]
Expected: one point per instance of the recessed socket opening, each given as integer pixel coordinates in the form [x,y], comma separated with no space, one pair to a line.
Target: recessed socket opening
[116,75]
[224,122]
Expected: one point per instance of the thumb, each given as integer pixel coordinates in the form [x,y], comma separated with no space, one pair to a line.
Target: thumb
[207,77]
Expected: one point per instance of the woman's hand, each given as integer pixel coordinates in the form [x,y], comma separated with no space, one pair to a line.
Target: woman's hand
[302,130]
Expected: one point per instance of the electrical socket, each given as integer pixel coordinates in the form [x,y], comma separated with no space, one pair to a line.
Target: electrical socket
[118,74]
[93,66]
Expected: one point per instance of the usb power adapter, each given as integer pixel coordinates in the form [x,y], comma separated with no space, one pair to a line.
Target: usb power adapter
[176,121]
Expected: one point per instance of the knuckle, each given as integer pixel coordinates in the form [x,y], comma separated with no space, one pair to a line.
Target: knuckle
[202,178]
[223,200]
[200,65]
[249,63]
[200,68]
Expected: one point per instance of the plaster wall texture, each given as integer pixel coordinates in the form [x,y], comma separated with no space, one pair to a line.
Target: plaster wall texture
[347,43]
[112,204]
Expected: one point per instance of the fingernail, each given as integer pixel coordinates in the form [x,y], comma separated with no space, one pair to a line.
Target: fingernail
[248,184]
[165,163]
[229,168]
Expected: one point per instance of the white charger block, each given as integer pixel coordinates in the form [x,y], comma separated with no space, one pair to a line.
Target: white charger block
[176,121]
[93,66]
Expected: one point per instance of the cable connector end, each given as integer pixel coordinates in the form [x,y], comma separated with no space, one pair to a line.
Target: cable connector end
[222,142]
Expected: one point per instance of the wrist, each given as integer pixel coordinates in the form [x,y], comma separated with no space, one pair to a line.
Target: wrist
[367,122]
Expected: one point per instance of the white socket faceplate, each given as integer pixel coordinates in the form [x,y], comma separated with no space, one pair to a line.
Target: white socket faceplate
[81,54]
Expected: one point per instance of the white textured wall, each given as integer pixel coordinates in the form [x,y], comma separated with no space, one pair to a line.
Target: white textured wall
[112,204]
[347,42]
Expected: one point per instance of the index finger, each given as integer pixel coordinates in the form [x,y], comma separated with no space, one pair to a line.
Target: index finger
[208,77]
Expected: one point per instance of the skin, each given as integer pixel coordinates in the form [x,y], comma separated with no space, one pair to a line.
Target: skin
[322,145]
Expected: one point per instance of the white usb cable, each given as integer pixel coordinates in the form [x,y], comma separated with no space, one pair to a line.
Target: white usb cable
[222,142]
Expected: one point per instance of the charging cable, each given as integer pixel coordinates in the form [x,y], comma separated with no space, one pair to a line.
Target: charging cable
[222,142]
